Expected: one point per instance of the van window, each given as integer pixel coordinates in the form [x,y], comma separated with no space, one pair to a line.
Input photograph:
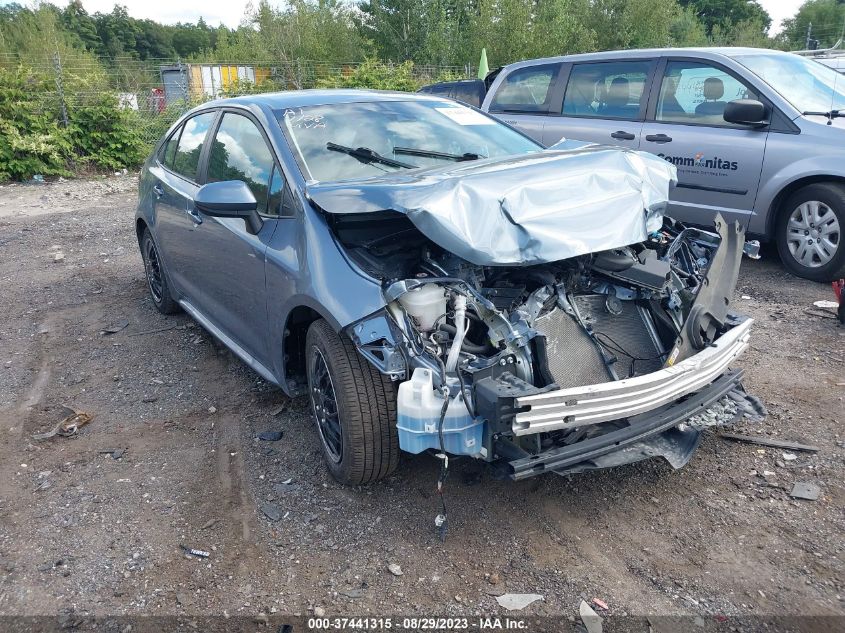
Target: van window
[692,92]
[610,90]
[188,152]
[239,152]
[526,90]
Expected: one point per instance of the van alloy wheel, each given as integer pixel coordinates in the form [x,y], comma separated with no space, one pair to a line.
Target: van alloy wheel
[813,234]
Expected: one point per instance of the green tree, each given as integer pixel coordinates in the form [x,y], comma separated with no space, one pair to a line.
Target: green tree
[827,18]
[724,13]
[76,21]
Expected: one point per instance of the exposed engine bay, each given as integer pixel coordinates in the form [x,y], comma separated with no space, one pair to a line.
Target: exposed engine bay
[528,366]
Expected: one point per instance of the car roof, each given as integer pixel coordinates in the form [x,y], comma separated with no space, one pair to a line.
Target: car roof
[705,52]
[302,98]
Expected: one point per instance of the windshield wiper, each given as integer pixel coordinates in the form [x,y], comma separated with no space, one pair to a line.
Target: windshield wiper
[413,151]
[830,114]
[366,155]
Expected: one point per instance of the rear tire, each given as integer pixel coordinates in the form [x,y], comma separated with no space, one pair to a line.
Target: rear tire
[354,408]
[809,232]
[156,276]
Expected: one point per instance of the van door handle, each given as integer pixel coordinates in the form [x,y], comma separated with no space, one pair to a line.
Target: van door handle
[158,190]
[623,136]
[658,138]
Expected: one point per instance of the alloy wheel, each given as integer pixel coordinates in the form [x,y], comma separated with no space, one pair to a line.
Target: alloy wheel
[152,266]
[324,407]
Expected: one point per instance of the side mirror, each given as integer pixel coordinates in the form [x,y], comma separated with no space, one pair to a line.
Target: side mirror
[229,199]
[746,112]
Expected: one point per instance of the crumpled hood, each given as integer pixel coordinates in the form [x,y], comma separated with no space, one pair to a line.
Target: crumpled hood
[520,210]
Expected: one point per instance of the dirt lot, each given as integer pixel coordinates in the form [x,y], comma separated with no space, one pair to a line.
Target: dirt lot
[93,524]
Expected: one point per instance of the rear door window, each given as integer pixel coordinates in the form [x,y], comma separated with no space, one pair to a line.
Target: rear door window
[187,157]
[696,93]
[527,90]
[608,90]
[239,152]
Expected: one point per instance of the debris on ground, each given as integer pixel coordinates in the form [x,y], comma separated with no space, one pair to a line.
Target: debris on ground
[116,453]
[517,601]
[270,436]
[199,553]
[116,327]
[210,524]
[601,604]
[69,425]
[279,410]
[592,620]
[271,511]
[720,413]
[789,457]
[806,491]
[766,441]
[826,304]
[395,569]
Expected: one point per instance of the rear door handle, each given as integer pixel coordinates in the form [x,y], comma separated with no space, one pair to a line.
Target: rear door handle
[158,190]
[623,136]
[658,138]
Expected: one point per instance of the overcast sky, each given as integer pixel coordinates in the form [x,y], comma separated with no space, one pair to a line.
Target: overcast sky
[231,11]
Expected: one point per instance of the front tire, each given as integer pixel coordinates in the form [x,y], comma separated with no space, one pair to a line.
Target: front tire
[809,232]
[354,408]
[157,282]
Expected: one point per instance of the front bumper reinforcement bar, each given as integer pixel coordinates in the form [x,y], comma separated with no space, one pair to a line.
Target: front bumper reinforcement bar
[593,404]
[641,427]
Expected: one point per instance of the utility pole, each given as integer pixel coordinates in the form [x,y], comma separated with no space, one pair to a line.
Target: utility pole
[809,36]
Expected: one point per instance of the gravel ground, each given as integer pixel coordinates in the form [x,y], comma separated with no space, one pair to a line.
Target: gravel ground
[94,524]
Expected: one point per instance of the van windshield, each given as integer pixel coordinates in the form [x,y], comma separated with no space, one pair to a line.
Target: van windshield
[805,83]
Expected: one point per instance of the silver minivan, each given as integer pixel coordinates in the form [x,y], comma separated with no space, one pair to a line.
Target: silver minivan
[757,135]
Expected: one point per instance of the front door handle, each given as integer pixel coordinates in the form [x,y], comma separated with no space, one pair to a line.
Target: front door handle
[623,136]
[158,190]
[194,215]
[658,138]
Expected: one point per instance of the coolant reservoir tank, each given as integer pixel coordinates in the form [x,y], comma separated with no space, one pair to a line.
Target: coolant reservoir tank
[425,304]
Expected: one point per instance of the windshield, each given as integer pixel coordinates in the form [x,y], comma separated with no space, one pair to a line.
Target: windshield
[358,140]
[805,83]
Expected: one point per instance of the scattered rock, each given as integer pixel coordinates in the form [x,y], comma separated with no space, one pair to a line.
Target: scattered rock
[272,511]
[319,612]
[270,436]
[395,569]
[803,490]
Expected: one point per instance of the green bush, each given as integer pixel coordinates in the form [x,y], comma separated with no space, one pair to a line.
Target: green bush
[374,74]
[31,141]
[104,134]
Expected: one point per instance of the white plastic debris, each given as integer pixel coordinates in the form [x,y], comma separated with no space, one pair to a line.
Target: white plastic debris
[592,620]
[395,569]
[789,457]
[826,304]
[517,601]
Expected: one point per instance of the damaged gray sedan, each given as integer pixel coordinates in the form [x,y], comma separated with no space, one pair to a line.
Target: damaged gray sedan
[433,279]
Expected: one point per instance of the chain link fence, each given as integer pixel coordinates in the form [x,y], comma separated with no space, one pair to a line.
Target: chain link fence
[158,91]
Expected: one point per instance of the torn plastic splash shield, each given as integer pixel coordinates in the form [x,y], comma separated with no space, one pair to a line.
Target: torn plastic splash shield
[520,210]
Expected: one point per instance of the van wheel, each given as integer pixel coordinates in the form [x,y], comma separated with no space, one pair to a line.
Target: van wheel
[354,408]
[810,232]
[157,282]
